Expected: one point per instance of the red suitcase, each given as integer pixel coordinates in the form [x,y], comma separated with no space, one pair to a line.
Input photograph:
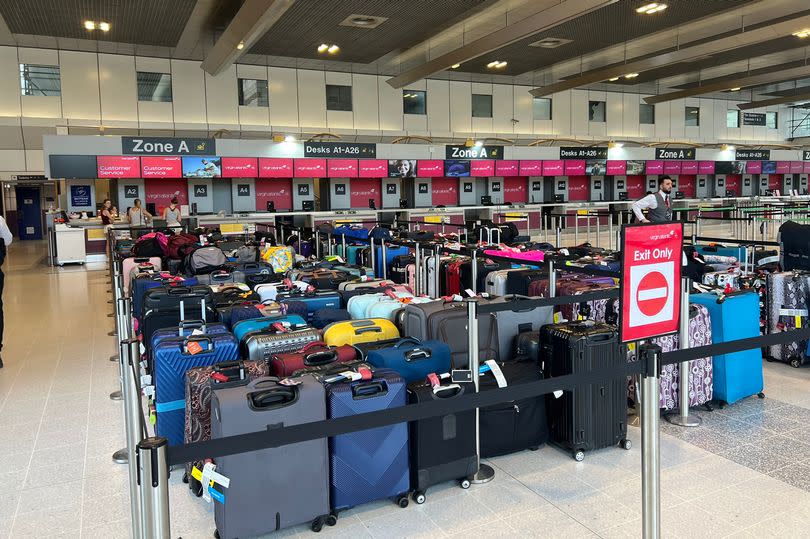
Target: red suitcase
[314,354]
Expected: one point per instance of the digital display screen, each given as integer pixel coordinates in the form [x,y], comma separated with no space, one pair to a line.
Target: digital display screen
[202,167]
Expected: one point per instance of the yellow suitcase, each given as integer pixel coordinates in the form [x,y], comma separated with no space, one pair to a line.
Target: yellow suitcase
[359,331]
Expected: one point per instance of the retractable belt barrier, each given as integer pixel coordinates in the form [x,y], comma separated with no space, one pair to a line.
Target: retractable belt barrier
[740,242]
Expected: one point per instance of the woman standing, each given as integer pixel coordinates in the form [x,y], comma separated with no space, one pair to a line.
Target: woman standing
[171,214]
[137,215]
[107,216]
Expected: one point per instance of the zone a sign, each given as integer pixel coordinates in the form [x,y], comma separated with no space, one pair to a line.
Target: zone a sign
[651,280]
[473,152]
[167,146]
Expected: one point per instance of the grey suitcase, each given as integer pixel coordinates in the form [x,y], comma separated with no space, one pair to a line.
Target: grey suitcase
[496,282]
[520,319]
[276,488]
[261,346]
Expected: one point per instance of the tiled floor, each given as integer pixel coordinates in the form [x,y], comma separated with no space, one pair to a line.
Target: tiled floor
[744,473]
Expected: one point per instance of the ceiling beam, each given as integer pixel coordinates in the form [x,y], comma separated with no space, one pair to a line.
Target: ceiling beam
[741,82]
[6,37]
[685,53]
[251,22]
[539,22]
[774,101]
[194,29]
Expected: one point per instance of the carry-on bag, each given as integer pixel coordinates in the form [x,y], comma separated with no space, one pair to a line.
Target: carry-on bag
[413,359]
[594,416]
[275,488]
[262,345]
[271,290]
[359,331]
[243,328]
[313,354]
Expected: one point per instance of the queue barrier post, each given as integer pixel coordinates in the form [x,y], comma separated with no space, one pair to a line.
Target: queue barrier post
[650,354]
[437,264]
[682,417]
[372,254]
[130,349]
[417,273]
[474,284]
[552,280]
[383,259]
[117,291]
[153,482]
[485,472]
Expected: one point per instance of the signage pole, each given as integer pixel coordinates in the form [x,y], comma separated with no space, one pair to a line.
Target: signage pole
[683,418]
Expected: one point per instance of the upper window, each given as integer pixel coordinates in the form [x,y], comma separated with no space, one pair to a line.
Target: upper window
[732,118]
[482,106]
[253,93]
[596,111]
[154,87]
[40,80]
[338,97]
[414,101]
[541,108]
[691,116]
[646,113]
[772,120]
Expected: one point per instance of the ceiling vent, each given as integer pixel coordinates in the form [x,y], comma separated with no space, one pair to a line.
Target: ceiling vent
[550,42]
[363,21]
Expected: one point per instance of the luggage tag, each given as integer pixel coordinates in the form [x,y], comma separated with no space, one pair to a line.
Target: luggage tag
[208,477]
[496,372]
[194,348]
[461,376]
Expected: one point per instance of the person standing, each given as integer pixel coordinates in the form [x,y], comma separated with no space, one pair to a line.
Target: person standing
[171,214]
[106,212]
[5,241]
[137,215]
[658,204]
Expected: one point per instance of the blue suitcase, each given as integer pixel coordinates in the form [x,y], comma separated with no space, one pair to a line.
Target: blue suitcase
[171,361]
[243,327]
[372,464]
[213,328]
[413,359]
[736,252]
[734,316]
[316,301]
[391,252]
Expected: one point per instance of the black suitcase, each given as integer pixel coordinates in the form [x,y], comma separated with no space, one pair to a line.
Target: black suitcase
[442,447]
[517,282]
[399,268]
[515,425]
[485,267]
[596,416]
[169,297]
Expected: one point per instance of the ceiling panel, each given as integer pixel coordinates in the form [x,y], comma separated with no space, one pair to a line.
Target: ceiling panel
[152,22]
[308,23]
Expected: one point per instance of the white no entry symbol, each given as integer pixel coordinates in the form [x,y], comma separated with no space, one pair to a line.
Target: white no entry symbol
[651,297]
[652,293]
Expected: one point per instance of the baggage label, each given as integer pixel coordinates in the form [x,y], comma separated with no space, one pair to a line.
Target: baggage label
[194,348]
[496,372]
[208,477]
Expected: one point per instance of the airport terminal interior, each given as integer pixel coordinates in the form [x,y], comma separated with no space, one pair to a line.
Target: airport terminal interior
[353,268]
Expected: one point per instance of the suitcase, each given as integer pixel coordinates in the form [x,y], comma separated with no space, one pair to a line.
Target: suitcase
[320,279]
[485,267]
[354,270]
[167,297]
[185,329]
[323,317]
[222,276]
[262,345]
[270,291]
[701,375]
[233,294]
[372,464]
[496,282]
[518,320]
[513,426]
[520,256]
[350,286]
[443,448]
[351,252]
[737,253]
[398,271]
[358,305]
[144,282]
[171,359]
[232,314]
[595,416]
[734,316]
[244,327]
[157,319]
[576,311]
[447,322]
[519,281]
[315,301]
[788,295]
[723,279]
[391,252]
[199,384]
[132,266]
[314,354]
[359,331]
[413,359]
[263,497]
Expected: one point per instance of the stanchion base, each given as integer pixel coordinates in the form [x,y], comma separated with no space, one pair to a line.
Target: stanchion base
[110,301]
[114,357]
[485,474]
[688,421]
[116,395]
[110,315]
[121,456]
[112,333]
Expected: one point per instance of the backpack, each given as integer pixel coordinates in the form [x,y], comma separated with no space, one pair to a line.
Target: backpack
[148,247]
[204,260]
[180,245]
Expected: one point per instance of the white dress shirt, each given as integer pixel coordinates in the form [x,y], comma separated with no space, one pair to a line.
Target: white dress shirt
[5,233]
[648,202]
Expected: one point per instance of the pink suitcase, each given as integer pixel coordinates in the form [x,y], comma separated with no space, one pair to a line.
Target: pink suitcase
[131,263]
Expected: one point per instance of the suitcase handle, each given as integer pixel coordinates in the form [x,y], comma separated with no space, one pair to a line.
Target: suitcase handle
[406,340]
[197,338]
[220,275]
[365,390]
[443,392]
[317,359]
[373,329]
[518,298]
[234,370]
[272,398]
[417,353]
[141,259]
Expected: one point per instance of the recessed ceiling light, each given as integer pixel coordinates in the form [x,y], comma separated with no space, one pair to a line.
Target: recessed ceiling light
[478,143]
[333,49]
[492,64]
[550,42]
[735,89]
[631,76]
[323,47]
[90,25]
[104,26]
[803,33]
[455,66]
[500,65]
[614,79]
[363,21]
[649,9]
[240,45]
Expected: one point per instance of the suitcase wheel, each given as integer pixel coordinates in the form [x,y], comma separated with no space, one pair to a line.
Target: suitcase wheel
[626,444]
[331,519]
[402,500]
[579,455]
[761,395]
[317,524]
[419,497]
[796,362]
[216,534]
[464,483]
[185,478]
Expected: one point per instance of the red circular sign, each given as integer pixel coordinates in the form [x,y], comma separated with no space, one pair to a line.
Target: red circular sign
[652,293]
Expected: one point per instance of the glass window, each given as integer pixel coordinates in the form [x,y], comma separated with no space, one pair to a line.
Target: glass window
[253,93]
[732,118]
[646,113]
[481,106]
[691,116]
[414,102]
[40,80]
[154,87]
[338,97]
[596,111]
[541,108]
[772,120]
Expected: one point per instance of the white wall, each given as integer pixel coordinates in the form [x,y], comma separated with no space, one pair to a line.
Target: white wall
[101,89]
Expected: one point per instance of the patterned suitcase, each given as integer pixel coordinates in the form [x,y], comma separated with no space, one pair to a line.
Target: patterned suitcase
[262,345]
[172,358]
[372,464]
[201,382]
[788,293]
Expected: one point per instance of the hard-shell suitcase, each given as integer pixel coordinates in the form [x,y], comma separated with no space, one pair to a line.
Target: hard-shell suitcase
[354,270]
[391,252]
[275,488]
[157,319]
[262,345]
[595,416]
[315,301]
[372,464]
[231,314]
[443,448]
[398,271]
[413,359]
[270,291]
[200,383]
[135,265]
[167,297]
[734,316]
[242,328]
[358,305]
[485,267]
[518,281]
[222,276]
[172,358]
[738,253]
[321,279]
[350,286]
[314,354]
[513,426]
[186,329]
[788,294]
[701,375]
[359,331]
[144,282]
[496,282]
[323,317]
[518,320]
